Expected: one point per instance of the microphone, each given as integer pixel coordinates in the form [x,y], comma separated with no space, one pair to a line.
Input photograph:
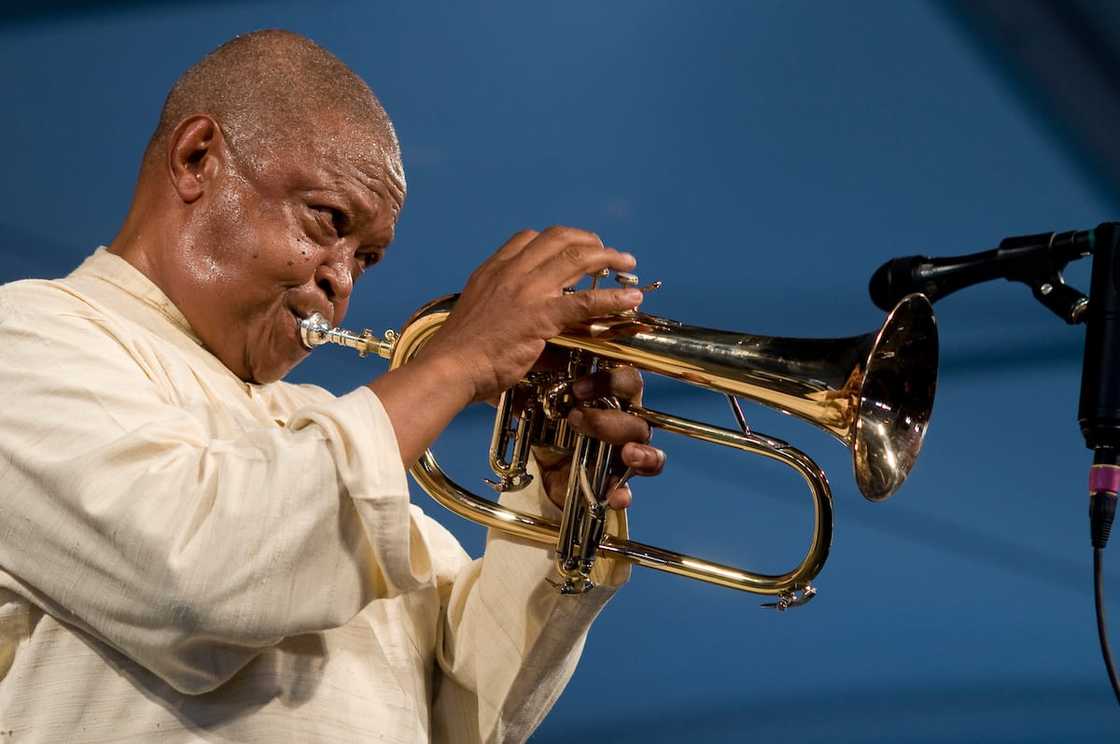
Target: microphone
[1099,408]
[1036,260]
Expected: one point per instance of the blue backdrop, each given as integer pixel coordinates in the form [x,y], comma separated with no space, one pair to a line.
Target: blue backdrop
[761,159]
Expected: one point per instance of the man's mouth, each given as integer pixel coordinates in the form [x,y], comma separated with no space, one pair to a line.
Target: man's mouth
[311,327]
[302,314]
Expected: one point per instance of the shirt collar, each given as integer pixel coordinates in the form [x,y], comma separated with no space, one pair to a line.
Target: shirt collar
[113,269]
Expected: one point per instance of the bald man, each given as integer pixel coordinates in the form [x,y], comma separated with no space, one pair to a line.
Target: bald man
[193,550]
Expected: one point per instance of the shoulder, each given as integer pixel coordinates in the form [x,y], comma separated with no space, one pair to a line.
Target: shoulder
[44,322]
[40,310]
[37,297]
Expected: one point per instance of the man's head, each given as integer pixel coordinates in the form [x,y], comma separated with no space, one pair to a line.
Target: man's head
[271,182]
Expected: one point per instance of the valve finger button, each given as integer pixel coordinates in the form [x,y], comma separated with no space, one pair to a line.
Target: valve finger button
[626,279]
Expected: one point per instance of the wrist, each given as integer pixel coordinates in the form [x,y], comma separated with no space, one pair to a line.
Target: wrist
[446,375]
[421,399]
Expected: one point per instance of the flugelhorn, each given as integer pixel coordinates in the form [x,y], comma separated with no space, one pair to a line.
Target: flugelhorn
[873,392]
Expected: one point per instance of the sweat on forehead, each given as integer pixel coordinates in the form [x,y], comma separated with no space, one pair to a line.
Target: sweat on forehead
[272,90]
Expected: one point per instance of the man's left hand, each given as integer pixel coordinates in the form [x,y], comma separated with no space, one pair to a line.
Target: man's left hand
[630,434]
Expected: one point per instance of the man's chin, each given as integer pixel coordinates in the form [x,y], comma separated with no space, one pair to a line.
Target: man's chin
[270,369]
[272,373]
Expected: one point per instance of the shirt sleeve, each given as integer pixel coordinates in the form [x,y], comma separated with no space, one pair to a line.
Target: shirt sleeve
[125,517]
[121,515]
[510,639]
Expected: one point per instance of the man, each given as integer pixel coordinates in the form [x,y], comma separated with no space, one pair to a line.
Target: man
[192,550]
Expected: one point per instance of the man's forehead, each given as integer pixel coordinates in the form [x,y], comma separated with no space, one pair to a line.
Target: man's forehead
[338,141]
[340,157]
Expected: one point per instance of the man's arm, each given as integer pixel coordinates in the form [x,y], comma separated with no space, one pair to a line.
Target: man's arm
[123,515]
[510,640]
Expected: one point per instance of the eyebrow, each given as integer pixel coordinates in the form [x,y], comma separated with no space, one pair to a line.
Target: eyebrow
[366,218]
[357,206]
[361,202]
[363,187]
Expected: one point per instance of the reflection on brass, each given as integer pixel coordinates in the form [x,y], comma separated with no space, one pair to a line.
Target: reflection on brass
[873,392]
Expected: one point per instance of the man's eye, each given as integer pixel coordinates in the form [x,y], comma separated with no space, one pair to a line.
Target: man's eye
[333,218]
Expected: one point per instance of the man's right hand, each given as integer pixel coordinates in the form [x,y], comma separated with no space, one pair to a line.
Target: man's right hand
[512,304]
[515,301]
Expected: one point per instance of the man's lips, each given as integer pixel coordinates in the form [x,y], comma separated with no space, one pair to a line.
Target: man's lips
[305,313]
[300,316]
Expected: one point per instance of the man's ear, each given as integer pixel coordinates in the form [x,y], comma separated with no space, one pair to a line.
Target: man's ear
[195,155]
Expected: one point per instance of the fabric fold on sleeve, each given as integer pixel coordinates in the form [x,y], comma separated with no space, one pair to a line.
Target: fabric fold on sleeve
[511,641]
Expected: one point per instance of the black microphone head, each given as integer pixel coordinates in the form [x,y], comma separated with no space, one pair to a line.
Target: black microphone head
[894,280]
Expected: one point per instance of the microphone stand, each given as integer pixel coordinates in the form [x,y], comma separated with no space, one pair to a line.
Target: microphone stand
[1038,261]
[1099,409]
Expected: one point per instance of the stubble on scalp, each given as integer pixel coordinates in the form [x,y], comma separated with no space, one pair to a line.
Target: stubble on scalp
[271,93]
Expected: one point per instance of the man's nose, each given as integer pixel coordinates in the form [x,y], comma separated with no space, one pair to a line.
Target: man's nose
[334,278]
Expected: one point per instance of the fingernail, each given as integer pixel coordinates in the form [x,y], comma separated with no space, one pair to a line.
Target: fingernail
[630,256]
[583,388]
[634,296]
[656,457]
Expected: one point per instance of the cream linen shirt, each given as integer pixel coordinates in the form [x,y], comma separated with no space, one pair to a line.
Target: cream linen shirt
[185,557]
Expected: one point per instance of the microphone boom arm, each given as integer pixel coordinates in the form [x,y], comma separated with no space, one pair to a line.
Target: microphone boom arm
[1035,260]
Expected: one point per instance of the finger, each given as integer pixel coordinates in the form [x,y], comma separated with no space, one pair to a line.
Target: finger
[643,459]
[609,425]
[620,498]
[624,383]
[573,309]
[554,240]
[574,261]
[561,256]
[515,245]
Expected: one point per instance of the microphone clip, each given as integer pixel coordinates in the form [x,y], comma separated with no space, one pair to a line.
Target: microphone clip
[1066,302]
[1042,270]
